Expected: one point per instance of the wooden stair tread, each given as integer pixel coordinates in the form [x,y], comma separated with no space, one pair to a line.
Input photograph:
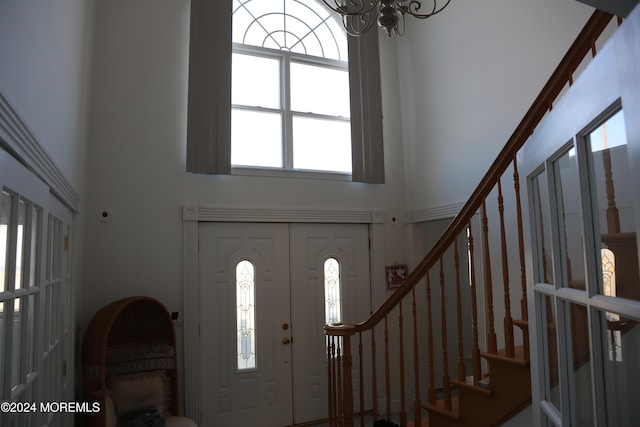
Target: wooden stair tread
[468,384]
[453,413]
[519,357]
[424,422]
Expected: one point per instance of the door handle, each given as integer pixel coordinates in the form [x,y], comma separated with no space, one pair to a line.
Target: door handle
[286,340]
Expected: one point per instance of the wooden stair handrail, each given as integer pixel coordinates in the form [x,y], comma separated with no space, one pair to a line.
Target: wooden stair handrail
[563,73]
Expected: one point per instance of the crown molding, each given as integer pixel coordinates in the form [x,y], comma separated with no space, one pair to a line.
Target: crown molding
[213,214]
[432,214]
[18,139]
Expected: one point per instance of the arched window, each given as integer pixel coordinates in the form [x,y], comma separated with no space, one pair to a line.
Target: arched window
[332,291]
[294,105]
[246,315]
[298,103]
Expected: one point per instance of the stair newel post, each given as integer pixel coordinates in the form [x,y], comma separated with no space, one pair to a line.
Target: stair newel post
[491,334]
[347,383]
[432,385]
[475,353]
[509,346]
[523,276]
[387,374]
[416,363]
[461,368]
[403,403]
[446,379]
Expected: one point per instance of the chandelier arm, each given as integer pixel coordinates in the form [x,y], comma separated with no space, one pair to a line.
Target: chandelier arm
[414,5]
[400,30]
[357,7]
[359,16]
[358,31]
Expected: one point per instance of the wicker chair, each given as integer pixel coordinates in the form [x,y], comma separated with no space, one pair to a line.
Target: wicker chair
[130,338]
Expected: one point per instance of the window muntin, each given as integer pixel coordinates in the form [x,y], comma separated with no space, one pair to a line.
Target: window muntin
[246,315]
[310,49]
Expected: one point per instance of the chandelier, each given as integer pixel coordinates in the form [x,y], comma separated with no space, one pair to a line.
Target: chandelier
[358,16]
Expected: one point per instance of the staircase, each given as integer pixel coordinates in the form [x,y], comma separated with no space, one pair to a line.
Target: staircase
[433,354]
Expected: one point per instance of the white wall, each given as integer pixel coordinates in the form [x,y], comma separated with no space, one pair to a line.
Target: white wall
[137,159]
[45,51]
[467,77]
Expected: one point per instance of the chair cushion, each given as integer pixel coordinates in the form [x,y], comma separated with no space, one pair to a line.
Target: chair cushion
[140,390]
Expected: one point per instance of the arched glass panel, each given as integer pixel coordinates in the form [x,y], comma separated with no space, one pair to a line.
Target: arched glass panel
[300,26]
[246,315]
[332,291]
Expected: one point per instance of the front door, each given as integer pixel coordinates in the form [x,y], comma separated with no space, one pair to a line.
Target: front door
[580,169]
[265,292]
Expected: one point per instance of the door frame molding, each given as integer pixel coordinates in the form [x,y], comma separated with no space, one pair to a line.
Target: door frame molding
[194,214]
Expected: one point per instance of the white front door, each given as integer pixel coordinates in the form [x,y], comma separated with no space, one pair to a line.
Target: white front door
[311,246]
[262,308]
